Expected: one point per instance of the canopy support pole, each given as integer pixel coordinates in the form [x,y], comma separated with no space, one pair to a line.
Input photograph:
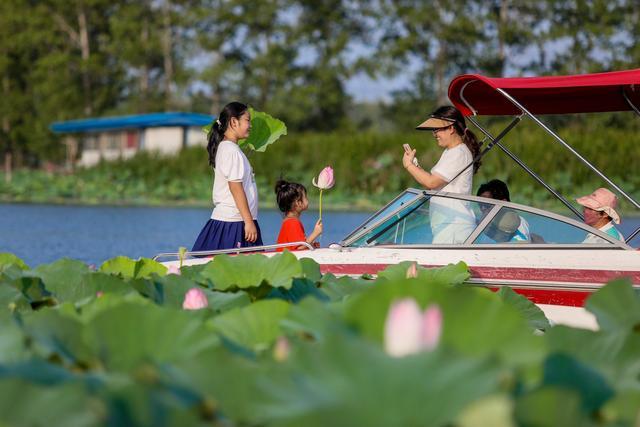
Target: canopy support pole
[527,169]
[626,98]
[568,147]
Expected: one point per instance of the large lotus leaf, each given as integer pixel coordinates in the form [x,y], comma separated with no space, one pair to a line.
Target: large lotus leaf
[12,343]
[128,268]
[564,371]
[624,408]
[265,130]
[7,259]
[348,381]
[148,404]
[227,381]
[252,271]
[221,302]
[125,335]
[452,274]
[475,321]
[532,313]
[255,326]
[311,269]
[73,281]
[12,299]
[550,407]
[41,372]
[28,404]
[342,381]
[56,334]
[338,288]
[299,290]
[613,354]
[491,411]
[313,318]
[27,282]
[62,274]
[616,306]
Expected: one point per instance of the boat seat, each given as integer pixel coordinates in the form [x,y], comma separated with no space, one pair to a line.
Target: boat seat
[536,238]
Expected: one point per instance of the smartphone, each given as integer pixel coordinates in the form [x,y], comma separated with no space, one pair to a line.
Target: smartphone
[407,148]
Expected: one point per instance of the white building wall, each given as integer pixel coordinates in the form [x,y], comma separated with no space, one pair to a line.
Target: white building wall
[165,140]
[89,158]
[196,136]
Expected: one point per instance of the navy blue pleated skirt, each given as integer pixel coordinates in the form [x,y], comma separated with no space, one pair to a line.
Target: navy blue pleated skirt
[224,235]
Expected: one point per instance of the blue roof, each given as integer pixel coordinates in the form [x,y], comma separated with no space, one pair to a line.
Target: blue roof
[137,121]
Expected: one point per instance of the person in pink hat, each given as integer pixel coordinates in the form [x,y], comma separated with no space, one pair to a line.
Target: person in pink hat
[599,212]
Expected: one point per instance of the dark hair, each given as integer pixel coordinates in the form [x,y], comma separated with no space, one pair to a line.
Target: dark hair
[288,193]
[460,125]
[219,127]
[497,188]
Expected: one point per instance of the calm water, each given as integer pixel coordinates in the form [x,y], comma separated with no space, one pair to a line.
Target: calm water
[44,233]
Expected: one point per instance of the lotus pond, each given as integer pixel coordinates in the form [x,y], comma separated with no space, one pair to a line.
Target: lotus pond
[276,343]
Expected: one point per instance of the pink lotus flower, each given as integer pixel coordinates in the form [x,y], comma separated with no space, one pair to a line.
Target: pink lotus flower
[173,269]
[325,180]
[195,299]
[408,330]
[99,294]
[412,271]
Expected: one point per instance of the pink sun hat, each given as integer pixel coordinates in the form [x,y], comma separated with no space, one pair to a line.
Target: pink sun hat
[602,200]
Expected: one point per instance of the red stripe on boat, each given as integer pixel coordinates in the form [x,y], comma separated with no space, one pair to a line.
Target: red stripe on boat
[570,297]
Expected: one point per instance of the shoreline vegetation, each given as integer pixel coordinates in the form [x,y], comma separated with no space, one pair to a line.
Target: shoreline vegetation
[367,167]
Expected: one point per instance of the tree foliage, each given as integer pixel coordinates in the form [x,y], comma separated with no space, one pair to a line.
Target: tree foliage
[293,58]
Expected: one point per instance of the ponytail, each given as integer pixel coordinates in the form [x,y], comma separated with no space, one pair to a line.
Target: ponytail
[471,141]
[219,127]
[215,136]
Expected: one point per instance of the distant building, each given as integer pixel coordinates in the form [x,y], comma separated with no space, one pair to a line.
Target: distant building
[90,140]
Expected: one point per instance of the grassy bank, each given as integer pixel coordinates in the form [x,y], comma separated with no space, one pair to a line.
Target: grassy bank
[367,167]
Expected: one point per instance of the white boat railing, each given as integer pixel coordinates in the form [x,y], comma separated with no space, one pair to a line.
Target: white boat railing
[262,248]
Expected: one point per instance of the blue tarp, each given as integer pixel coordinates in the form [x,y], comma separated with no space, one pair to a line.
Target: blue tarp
[132,122]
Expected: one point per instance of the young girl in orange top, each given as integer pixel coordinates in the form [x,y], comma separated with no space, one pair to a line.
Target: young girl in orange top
[292,200]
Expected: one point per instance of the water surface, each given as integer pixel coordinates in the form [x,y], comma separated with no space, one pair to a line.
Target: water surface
[44,233]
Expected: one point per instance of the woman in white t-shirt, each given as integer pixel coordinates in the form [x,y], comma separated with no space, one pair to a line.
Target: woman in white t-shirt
[452,221]
[234,220]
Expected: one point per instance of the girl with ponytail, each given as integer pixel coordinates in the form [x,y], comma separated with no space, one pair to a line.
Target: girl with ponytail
[452,220]
[234,220]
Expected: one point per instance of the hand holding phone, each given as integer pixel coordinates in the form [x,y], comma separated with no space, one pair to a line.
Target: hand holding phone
[407,149]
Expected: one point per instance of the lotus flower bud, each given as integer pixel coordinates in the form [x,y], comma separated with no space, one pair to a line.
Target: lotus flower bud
[173,269]
[412,271]
[325,179]
[195,299]
[282,349]
[431,327]
[408,330]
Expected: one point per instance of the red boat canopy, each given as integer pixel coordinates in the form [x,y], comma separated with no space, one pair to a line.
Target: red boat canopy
[587,93]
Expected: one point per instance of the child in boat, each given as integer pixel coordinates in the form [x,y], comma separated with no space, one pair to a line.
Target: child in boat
[292,201]
[496,189]
[234,220]
[599,212]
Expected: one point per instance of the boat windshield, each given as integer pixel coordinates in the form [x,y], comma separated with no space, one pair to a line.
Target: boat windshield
[445,220]
[401,200]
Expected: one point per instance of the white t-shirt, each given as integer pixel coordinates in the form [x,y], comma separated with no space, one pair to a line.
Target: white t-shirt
[452,221]
[232,165]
